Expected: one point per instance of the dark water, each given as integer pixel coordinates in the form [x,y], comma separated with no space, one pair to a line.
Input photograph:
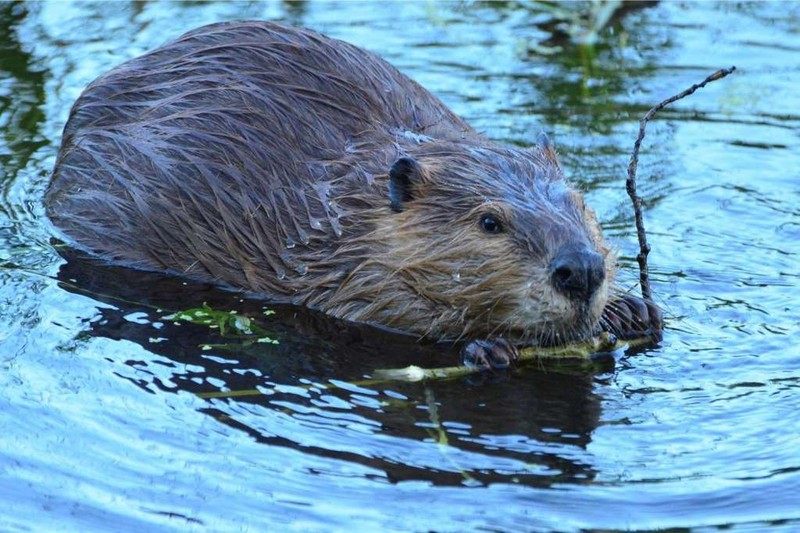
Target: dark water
[114,417]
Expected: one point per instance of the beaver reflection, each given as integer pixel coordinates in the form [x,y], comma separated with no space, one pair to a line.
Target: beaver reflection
[525,419]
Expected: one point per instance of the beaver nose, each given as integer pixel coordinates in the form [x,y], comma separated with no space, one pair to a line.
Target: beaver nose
[578,272]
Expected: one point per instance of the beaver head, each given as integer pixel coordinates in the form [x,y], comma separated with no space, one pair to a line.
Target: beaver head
[479,240]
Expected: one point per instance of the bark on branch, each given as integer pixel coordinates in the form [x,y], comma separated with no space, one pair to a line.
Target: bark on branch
[630,184]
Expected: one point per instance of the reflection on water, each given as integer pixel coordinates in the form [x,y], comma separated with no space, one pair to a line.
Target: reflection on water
[316,367]
[116,416]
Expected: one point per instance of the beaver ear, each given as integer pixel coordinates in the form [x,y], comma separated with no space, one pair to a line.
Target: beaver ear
[548,150]
[404,177]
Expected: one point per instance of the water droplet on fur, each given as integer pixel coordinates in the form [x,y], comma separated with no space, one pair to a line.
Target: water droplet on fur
[419,138]
[337,228]
[303,237]
[456,276]
[281,273]
[315,223]
[301,268]
[290,243]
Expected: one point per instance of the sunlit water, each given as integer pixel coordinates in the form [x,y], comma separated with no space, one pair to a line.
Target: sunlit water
[114,417]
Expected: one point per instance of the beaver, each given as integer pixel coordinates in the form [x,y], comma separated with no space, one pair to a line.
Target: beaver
[279,161]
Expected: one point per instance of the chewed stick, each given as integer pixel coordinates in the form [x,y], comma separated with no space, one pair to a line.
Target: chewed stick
[630,183]
[584,350]
[603,343]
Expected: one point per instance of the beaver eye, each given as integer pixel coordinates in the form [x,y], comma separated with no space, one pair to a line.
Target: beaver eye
[491,224]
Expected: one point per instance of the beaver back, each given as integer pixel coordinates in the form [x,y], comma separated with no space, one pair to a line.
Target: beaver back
[219,136]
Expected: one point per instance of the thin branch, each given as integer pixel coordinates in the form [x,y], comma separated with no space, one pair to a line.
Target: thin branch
[630,184]
[603,343]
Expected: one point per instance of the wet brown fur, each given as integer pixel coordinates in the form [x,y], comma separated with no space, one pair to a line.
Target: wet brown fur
[257,156]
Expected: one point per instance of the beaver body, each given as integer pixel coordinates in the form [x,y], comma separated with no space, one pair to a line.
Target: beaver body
[279,161]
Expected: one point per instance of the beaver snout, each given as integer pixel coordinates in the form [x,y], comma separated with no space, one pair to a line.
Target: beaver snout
[577,272]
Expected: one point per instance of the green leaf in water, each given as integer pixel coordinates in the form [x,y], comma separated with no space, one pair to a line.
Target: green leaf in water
[229,323]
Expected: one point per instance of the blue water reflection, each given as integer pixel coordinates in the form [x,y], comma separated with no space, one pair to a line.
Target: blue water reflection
[116,417]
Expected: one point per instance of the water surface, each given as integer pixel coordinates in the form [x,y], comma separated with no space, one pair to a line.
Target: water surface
[115,417]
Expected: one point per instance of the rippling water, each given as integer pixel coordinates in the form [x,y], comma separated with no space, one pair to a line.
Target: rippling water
[114,416]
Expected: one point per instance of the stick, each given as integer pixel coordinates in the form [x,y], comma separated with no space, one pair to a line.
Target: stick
[630,183]
[604,343]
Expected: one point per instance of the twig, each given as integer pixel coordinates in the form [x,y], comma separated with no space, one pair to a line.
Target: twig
[630,183]
[603,343]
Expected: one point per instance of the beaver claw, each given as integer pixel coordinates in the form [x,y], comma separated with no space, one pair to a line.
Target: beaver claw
[496,354]
[631,317]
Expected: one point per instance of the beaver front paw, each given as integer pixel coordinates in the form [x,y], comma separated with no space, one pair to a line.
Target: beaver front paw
[630,317]
[496,354]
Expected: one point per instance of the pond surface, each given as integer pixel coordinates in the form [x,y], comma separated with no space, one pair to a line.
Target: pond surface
[115,416]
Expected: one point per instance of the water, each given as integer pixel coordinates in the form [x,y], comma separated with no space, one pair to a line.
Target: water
[114,417]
